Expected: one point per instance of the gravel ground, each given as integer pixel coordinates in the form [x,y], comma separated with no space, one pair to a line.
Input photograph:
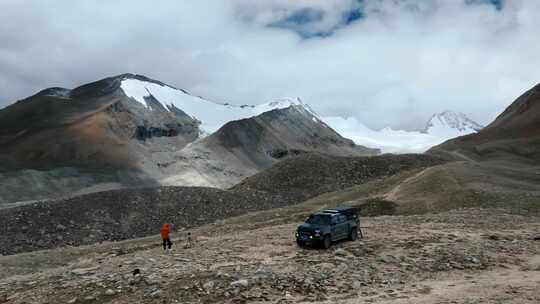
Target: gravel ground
[118,215]
[463,256]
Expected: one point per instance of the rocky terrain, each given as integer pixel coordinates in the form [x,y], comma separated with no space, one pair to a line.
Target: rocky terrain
[135,212]
[305,176]
[118,215]
[463,256]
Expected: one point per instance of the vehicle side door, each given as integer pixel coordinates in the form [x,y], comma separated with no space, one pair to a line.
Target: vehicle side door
[343,226]
[335,228]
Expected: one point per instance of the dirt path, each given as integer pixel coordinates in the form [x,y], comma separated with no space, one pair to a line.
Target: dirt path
[392,194]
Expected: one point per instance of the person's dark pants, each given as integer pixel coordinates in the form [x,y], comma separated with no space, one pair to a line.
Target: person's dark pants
[167,243]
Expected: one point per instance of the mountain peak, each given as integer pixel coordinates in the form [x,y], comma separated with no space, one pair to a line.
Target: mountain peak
[451,120]
[287,102]
[211,114]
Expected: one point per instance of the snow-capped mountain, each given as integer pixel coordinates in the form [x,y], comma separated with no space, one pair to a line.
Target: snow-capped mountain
[130,130]
[212,115]
[439,128]
[441,123]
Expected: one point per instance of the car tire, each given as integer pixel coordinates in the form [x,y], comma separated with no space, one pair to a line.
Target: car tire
[300,244]
[327,242]
[353,234]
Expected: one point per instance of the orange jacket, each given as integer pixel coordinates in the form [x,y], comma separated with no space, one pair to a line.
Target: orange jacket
[165,230]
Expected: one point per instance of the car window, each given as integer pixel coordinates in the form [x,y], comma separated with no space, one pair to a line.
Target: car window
[318,219]
[342,219]
[334,219]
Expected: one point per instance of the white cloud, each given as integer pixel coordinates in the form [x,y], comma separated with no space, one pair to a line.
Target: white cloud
[404,61]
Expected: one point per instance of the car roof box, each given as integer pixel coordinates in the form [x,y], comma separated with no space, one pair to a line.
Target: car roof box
[342,209]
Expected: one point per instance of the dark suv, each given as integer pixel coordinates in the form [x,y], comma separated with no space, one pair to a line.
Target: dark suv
[324,227]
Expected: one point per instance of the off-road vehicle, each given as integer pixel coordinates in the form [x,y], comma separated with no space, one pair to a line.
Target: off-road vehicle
[330,225]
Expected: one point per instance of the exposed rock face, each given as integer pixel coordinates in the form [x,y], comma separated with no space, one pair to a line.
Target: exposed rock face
[515,134]
[88,127]
[94,130]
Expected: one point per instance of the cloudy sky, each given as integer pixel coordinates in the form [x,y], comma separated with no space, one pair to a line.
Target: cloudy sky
[384,62]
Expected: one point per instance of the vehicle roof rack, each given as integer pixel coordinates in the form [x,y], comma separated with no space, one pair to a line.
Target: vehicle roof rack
[331,211]
[341,209]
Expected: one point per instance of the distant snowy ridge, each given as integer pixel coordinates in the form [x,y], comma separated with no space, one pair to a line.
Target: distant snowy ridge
[212,115]
[451,120]
[439,128]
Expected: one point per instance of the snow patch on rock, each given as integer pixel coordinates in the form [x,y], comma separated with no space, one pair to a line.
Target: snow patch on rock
[212,115]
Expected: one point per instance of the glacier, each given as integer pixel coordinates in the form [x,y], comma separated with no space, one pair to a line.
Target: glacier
[439,128]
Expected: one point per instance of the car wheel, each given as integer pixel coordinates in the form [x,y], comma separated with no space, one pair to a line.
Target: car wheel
[327,242]
[353,234]
[300,243]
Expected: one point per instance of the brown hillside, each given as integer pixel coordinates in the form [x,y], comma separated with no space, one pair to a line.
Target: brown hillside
[514,135]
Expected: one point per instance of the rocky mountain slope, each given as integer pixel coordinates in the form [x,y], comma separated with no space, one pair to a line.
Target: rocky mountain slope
[130,130]
[269,137]
[438,128]
[305,176]
[244,147]
[62,141]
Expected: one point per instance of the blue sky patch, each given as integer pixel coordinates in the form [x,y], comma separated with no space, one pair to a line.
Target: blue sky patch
[499,4]
[303,22]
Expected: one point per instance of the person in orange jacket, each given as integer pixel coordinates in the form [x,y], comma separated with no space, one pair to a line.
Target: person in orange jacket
[165,231]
